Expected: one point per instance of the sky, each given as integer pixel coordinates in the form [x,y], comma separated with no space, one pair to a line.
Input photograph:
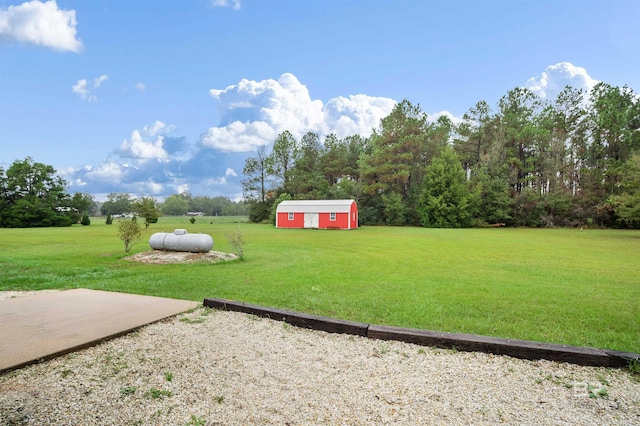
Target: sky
[158,97]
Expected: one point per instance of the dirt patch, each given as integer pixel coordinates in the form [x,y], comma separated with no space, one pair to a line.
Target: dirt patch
[164,257]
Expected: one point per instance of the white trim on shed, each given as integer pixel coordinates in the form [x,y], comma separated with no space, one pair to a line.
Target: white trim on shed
[314,206]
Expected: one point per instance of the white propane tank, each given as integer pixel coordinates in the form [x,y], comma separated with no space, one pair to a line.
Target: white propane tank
[180,240]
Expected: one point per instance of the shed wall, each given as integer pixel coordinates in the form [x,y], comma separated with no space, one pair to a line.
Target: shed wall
[284,222]
[344,219]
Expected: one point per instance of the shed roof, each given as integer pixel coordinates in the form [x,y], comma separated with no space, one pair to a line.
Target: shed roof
[315,206]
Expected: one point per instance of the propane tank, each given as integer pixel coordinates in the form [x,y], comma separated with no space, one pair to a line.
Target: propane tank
[181,240]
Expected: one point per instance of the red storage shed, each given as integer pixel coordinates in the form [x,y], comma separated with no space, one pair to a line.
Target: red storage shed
[319,214]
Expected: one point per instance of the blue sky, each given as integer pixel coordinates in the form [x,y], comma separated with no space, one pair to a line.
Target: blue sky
[155,97]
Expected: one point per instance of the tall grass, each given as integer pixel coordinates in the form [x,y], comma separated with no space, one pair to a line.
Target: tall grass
[555,285]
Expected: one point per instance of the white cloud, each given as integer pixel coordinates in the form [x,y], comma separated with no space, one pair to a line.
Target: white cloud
[158,128]
[182,188]
[108,171]
[434,117]
[148,144]
[141,87]
[556,77]
[43,24]
[150,187]
[237,197]
[239,136]
[85,91]
[139,148]
[357,114]
[145,165]
[81,89]
[69,174]
[253,113]
[97,82]
[215,181]
[233,4]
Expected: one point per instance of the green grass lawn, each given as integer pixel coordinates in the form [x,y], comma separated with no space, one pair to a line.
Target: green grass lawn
[554,285]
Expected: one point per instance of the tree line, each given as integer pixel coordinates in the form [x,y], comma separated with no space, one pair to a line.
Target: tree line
[33,195]
[119,203]
[573,161]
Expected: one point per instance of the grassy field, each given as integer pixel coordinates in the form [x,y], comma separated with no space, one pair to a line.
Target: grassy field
[554,285]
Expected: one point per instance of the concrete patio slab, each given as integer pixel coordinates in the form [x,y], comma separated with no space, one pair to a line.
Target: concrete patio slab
[43,326]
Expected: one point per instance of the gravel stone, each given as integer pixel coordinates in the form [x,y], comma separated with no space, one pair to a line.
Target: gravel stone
[213,367]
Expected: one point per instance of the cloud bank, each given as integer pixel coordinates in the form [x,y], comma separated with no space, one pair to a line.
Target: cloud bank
[556,77]
[42,24]
[253,113]
[152,161]
[141,148]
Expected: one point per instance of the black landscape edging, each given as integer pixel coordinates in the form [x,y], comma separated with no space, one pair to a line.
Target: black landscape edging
[525,349]
[619,359]
[298,319]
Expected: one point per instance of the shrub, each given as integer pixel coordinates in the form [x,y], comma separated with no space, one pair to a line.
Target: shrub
[129,231]
[109,220]
[149,220]
[85,220]
[259,211]
[237,243]
[192,220]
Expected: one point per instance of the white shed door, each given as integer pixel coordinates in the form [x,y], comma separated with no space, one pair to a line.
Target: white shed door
[311,220]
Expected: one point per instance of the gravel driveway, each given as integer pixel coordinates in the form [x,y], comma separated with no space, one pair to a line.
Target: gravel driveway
[212,367]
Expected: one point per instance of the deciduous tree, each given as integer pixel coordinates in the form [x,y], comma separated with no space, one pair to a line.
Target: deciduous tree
[83,202]
[176,204]
[33,195]
[117,203]
[281,159]
[129,231]
[148,208]
[256,183]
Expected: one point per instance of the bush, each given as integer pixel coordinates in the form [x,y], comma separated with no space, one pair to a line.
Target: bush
[129,231]
[149,220]
[192,220]
[237,243]
[85,220]
[259,211]
[109,220]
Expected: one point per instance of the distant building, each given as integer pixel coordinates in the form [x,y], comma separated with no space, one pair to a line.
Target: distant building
[318,214]
[195,214]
